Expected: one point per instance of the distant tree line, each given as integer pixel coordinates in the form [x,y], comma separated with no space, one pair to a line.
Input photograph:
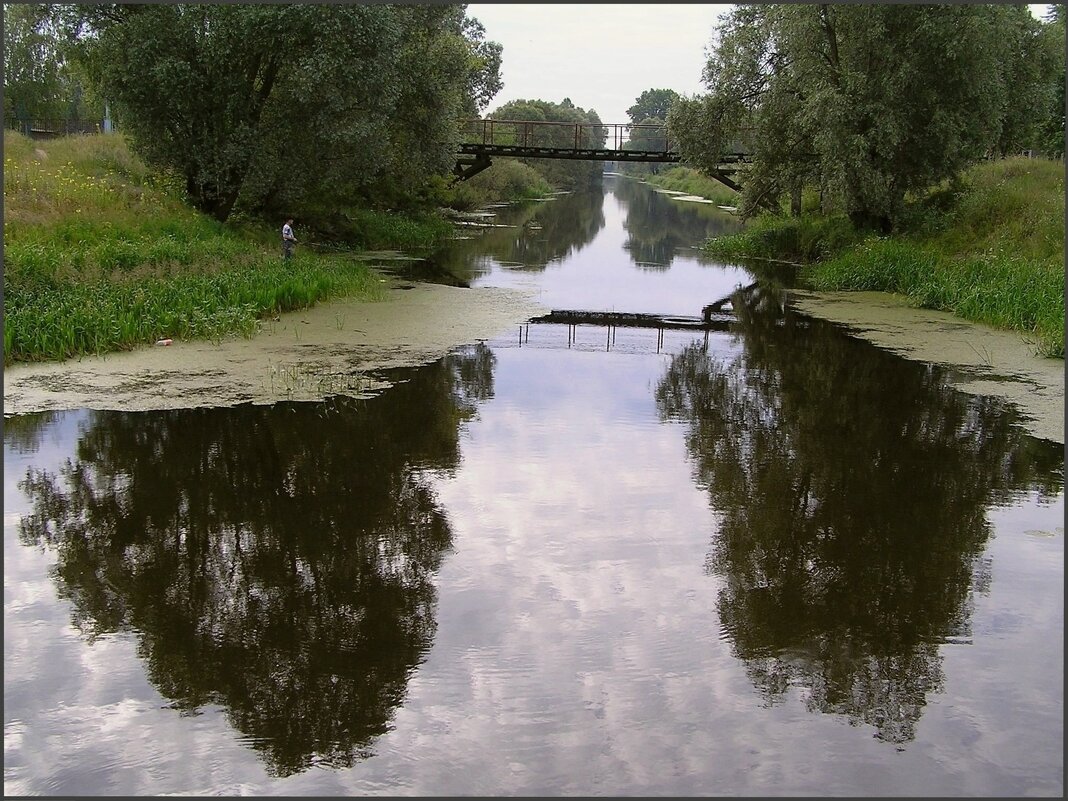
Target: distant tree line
[648,116]
[869,103]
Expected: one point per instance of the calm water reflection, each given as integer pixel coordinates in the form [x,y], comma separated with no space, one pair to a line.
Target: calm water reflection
[770,561]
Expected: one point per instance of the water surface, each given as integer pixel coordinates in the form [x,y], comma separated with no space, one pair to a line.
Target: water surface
[766,559]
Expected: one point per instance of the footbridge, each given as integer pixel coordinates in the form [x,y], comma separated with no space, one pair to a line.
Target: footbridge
[718,316]
[482,140]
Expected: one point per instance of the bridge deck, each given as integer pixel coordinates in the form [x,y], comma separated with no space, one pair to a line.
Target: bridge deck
[484,139]
[580,153]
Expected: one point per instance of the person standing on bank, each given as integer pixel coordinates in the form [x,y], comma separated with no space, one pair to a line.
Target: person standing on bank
[288,240]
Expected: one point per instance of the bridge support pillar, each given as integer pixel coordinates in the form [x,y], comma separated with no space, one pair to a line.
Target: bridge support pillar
[468,166]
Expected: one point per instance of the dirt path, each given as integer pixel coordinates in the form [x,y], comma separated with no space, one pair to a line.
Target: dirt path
[334,347]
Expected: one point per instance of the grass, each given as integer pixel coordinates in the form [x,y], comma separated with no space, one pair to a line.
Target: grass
[684,179]
[989,249]
[101,254]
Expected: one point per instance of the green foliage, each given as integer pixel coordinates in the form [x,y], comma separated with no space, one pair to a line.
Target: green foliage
[100,255]
[692,182]
[506,180]
[565,174]
[1004,289]
[40,82]
[374,229]
[869,103]
[1049,136]
[989,248]
[269,107]
[797,239]
[652,103]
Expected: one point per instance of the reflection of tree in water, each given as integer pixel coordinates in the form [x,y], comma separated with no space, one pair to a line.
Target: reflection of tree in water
[852,488]
[23,433]
[539,234]
[277,561]
[658,226]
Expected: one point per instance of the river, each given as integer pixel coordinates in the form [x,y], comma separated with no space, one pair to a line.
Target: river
[705,550]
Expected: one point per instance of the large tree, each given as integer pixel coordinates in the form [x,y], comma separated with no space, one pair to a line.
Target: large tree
[272,106]
[1050,134]
[873,101]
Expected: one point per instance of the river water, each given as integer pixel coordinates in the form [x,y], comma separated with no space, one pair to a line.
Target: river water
[754,557]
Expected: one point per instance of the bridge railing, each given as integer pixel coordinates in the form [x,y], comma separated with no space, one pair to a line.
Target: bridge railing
[43,129]
[567,135]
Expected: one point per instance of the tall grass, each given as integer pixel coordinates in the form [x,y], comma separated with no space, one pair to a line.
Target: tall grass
[989,248]
[100,254]
[1003,290]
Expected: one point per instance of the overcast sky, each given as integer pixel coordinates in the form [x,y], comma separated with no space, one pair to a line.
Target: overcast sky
[601,56]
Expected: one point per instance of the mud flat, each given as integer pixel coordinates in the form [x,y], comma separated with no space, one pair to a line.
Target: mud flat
[984,360]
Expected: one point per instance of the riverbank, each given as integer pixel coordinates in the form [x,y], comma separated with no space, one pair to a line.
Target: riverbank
[982,360]
[989,249]
[102,254]
[332,348]
[340,347]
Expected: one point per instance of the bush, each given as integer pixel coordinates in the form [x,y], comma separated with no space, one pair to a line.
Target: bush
[506,180]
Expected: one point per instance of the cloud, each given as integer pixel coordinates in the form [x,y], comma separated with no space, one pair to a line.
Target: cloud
[602,57]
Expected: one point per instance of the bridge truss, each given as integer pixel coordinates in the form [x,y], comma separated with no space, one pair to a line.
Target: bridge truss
[482,140]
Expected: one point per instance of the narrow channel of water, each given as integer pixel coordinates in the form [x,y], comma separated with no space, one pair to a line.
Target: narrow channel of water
[764,559]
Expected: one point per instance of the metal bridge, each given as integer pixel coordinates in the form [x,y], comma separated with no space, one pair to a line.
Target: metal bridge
[718,316]
[481,140]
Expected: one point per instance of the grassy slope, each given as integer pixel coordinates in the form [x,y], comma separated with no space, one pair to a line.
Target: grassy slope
[991,252]
[101,255]
[684,179]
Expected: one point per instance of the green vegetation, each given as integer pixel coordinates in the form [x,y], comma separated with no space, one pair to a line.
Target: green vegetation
[268,110]
[40,82]
[506,180]
[989,248]
[101,254]
[868,105]
[692,182]
[564,174]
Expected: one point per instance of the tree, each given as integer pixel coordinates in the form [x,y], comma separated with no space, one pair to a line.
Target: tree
[39,80]
[1050,134]
[873,101]
[587,124]
[652,103]
[275,106]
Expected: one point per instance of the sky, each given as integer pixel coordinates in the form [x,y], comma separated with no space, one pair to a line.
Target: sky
[602,56]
